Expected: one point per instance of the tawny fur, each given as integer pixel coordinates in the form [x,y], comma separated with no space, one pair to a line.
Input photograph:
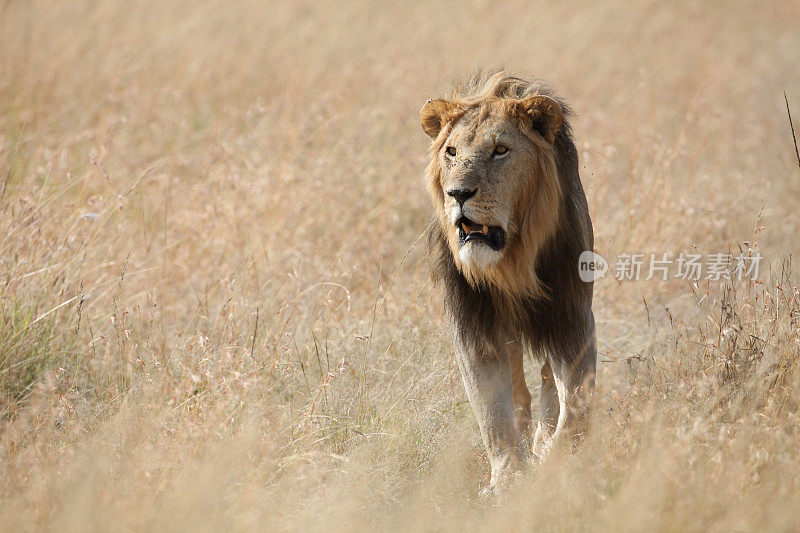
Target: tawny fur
[537,208]
[528,293]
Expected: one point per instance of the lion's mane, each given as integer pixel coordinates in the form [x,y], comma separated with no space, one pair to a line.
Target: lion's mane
[534,293]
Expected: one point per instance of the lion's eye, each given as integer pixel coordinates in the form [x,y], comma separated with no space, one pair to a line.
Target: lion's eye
[500,150]
[451,151]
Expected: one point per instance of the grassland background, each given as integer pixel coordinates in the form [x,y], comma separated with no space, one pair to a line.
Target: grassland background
[214,306]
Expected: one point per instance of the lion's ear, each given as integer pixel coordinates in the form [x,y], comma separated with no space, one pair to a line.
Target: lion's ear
[435,114]
[545,114]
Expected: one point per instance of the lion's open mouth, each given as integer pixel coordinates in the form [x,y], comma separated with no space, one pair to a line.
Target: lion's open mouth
[468,231]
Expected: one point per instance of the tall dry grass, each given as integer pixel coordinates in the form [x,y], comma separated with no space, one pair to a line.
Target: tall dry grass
[214,310]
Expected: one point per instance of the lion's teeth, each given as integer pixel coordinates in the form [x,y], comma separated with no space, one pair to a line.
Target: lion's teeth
[469,228]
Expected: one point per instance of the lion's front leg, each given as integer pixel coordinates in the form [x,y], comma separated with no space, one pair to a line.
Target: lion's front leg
[548,412]
[522,396]
[573,377]
[486,372]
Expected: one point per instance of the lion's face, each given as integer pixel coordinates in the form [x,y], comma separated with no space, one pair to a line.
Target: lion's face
[491,171]
[484,173]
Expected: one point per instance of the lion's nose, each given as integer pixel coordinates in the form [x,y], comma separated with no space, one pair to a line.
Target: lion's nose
[462,195]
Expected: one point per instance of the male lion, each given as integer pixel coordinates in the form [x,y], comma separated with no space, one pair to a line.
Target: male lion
[512,220]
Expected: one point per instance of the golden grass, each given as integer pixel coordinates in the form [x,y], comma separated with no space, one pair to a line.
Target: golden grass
[213,304]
